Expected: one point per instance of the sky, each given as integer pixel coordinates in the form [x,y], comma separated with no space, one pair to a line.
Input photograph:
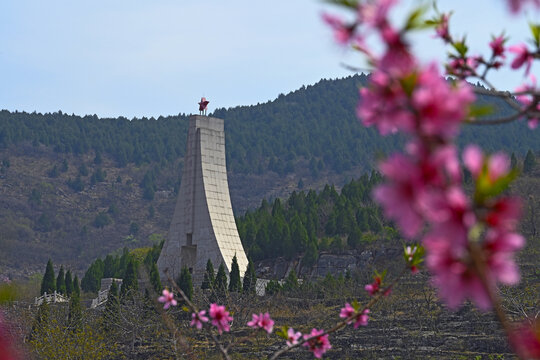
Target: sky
[137,58]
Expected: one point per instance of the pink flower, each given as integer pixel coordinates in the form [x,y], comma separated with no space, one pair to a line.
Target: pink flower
[362,319]
[262,321]
[442,28]
[473,159]
[516,5]
[374,287]
[318,344]
[343,33]
[375,13]
[497,46]
[451,272]
[220,318]
[168,299]
[292,337]
[436,117]
[525,339]
[499,248]
[522,57]
[197,319]
[504,214]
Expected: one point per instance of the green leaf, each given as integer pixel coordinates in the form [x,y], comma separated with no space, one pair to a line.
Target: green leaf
[461,47]
[414,21]
[186,309]
[476,111]
[356,305]
[282,332]
[535,30]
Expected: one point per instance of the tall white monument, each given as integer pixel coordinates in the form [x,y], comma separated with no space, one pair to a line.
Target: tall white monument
[203,225]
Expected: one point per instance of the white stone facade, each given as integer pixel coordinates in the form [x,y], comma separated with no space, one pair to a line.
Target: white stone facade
[203,225]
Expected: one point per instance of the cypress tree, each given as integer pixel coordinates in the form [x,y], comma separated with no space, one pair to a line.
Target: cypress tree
[529,162]
[76,286]
[221,280]
[291,282]
[235,284]
[129,282]
[154,278]
[185,282]
[61,281]
[48,284]
[209,276]
[111,308]
[69,283]
[250,279]
[75,310]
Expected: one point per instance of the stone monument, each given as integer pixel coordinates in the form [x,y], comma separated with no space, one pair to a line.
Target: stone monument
[203,225]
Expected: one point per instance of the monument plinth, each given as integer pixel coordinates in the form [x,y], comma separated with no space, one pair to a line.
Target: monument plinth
[203,225]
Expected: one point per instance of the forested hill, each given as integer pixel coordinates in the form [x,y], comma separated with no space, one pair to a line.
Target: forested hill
[76,188]
[314,126]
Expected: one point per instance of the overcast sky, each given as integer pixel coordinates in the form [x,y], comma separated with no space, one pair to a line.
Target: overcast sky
[149,58]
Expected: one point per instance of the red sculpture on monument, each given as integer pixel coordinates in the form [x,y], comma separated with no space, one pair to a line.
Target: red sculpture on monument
[202,106]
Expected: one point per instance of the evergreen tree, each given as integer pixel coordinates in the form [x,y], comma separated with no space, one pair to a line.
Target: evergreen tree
[61,281]
[48,284]
[529,162]
[154,278]
[250,279]
[112,306]
[235,283]
[76,286]
[209,276]
[221,280]
[75,310]
[185,282]
[129,282]
[291,282]
[69,283]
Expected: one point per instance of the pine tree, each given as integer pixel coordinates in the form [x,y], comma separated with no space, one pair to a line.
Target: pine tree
[154,278]
[111,308]
[48,284]
[221,280]
[69,283]
[61,281]
[250,279]
[76,286]
[185,282]
[129,282]
[209,276]
[75,310]
[235,284]
[291,282]
[529,162]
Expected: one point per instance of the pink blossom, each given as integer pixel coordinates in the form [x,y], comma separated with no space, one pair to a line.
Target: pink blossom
[525,339]
[438,117]
[400,196]
[499,248]
[442,28]
[343,33]
[497,46]
[220,317]
[262,321]
[197,319]
[292,337]
[516,5]
[318,343]
[362,319]
[374,287]
[504,213]
[7,347]
[383,104]
[452,274]
[168,299]
[522,57]
[473,159]
[347,312]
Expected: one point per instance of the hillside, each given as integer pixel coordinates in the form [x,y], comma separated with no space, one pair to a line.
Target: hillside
[74,188]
